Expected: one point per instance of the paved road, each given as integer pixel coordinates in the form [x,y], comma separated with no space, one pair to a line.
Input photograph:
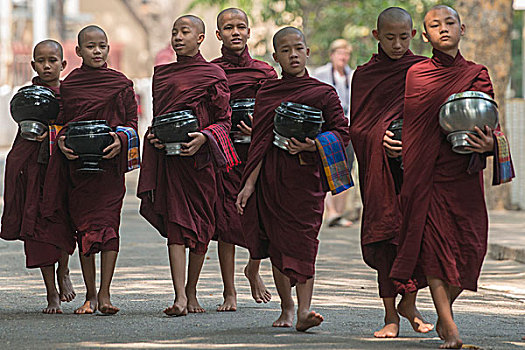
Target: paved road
[345,293]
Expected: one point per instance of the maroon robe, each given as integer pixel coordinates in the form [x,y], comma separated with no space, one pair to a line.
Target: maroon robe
[445,221]
[95,200]
[245,76]
[283,216]
[178,193]
[378,92]
[44,238]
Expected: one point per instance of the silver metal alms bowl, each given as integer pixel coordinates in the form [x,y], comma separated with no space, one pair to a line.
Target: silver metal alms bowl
[462,112]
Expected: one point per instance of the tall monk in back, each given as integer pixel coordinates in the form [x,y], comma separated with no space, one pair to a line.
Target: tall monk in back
[46,240]
[245,76]
[96,92]
[179,192]
[378,92]
[445,223]
[282,196]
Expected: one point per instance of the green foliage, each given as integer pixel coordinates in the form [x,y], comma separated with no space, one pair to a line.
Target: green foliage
[326,20]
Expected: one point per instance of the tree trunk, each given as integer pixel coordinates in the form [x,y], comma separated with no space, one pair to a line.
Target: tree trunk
[487,41]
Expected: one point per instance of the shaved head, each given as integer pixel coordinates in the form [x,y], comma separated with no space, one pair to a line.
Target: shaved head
[393,15]
[284,32]
[50,43]
[231,10]
[442,7]
[89,29]
[196,21]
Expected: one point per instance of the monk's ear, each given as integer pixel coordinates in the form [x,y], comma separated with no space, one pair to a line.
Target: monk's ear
[275,57]
[63,65]
[425,37]
[108,48]
[249,32]
[77,51]
[307,52]
[200,38]
[414,31]
[218,34]
[375,33]
[463,28]
[33,65]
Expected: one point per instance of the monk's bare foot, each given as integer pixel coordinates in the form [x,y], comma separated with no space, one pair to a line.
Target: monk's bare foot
[308,320]
[89,307]
[177,309]
[285,319]
[229,304]
[389,330]
[193,305]
[450,335]
[53,304]
[259,292]
[105,306]
[412,314]
[67,293]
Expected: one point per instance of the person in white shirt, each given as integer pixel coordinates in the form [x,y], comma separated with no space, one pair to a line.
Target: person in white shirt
[338,74]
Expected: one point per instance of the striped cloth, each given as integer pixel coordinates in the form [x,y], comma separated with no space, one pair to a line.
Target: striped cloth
[226,145]
[503,168]
[53,132]
[133,146]
[334,160]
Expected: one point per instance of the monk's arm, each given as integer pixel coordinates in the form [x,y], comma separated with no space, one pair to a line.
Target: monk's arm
[248,189]
[220,104]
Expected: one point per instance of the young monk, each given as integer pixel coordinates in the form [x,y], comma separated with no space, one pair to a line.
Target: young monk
[245,76]
[282,201]
[178,193]
[46,240]
[445,224]
[377,99]
[96,92]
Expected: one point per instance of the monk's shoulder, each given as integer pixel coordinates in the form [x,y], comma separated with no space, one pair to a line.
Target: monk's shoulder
[118,74]
[216,70]
[264,66]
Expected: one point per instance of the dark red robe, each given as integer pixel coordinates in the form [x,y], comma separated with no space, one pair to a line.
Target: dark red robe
[44,238]
[95,200]
[245,76]
[445,221]
[378,92]
[283,216]
[177,193]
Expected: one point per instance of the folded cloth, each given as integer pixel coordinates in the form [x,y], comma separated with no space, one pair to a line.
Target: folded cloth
[335,165]
[133,147]
[53,132]
[226,145]
[503,168]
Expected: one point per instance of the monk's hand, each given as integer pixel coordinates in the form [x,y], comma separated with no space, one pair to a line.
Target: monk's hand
[41,137]
[68,152]
[243,196]
[190,148]
[392,147]
[155,141]
[114,149]
[483,142]
[245,129]
[295,146]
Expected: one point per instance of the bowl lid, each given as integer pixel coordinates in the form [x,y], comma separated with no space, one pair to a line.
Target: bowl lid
[35,91]
[173,116]
[243,103]
[87,122]
[299,111]
[470,95]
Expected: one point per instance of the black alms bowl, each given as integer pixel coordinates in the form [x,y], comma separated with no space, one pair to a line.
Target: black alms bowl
[396,127]
[242,109]
[172,129]
[34,103]
[88,139]
[297,121]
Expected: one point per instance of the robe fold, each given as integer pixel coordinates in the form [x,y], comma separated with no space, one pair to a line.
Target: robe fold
[378,92]
[95,200]
[283,216]
[445,222]
[25,173]
[245,76]
[178,193]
